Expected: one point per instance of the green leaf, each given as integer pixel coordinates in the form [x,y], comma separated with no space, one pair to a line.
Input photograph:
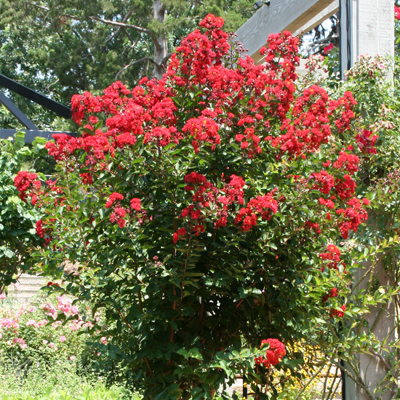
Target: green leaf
[19,140]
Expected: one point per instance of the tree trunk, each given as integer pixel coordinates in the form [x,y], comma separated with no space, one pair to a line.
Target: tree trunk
[160,42]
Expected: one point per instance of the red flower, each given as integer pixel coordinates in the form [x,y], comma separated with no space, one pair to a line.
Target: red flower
[332,293]
[328,48]
[27,183]
[135,204]
[337,313]
[239,137]
[210,22]
[113,198]
[39,228]
[348,161]
[333,255]
[202,130]
[179,234]
[118,216]
[274,354]
[87,178]
[397,12]
[198,229]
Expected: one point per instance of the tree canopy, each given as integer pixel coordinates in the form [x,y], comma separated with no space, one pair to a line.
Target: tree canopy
[61,47]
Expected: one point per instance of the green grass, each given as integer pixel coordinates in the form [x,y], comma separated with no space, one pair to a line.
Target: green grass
[84,392]
[57,382]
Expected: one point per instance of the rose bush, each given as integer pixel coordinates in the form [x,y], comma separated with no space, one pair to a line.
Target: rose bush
[204,213]
[35,332]
[44,352]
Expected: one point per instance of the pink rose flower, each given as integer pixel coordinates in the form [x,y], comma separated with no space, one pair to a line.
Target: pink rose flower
[63,339]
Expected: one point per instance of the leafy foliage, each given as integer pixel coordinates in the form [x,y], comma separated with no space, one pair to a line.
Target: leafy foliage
[17,219]
[374,84]
[197,211]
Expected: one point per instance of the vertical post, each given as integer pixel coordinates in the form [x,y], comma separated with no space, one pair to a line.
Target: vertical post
[345,36]
[375,33]
[366,27]
[244,387]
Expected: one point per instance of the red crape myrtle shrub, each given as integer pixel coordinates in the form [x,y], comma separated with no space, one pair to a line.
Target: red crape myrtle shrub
[198,206]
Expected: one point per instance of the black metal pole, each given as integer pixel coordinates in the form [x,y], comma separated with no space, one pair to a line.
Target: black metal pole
[343,380]
[244,387]
[38,98]
[17,112]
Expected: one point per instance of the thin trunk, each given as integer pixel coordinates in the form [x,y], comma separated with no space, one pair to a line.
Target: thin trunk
[160,42]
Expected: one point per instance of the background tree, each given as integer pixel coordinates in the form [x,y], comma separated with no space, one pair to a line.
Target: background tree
[65,47]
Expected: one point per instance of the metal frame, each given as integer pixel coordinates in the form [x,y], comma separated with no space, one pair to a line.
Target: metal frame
[32,130]
[38,98]
[30,135]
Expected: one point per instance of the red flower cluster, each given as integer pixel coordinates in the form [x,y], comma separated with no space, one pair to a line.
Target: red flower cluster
[179,234]
[332,255]
[41,231]
[118,216]
[206,193]
[397,12]
[259,206]
[345,188]
[87,178]
[327,203]
[348,162]
[273,356]
[366,142]
[233,191]
[314,226]
[113,198]
[324,182]
[96,147]
[344,107]
[352,216]
[337,313]
[27,184]
[202,130]
[310,127]
[135,204]
[332,293]
[210,22]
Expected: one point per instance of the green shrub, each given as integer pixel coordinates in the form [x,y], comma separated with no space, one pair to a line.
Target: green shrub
[44,352]
[17,218]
